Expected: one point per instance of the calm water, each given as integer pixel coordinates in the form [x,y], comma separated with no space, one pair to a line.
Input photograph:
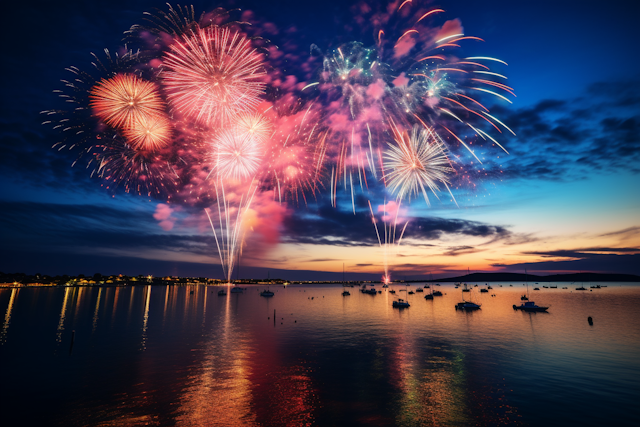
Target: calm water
[156,355]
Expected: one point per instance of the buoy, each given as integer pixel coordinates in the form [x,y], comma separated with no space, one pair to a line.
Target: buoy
[590,320]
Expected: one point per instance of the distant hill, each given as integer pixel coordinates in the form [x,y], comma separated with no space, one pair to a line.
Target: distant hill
[518,277]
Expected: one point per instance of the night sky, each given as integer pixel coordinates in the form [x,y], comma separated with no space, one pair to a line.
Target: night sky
[566,199]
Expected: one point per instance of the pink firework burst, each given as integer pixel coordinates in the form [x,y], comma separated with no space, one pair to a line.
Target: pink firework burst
[212,75]
[236,156]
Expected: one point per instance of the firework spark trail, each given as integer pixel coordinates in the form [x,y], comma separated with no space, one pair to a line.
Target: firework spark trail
[212,75]
[390,244]
[230,235]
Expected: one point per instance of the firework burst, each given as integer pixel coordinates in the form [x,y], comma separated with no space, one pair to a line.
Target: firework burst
[212,75]
[418,162]
[236,156]
[254,126]
[149,133]
[124,100]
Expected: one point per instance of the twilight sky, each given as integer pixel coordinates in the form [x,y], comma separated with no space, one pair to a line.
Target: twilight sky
[566,199]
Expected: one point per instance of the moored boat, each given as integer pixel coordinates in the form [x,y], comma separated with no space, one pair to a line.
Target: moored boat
[467,305]
[529,306]
[400,303]
[267,293]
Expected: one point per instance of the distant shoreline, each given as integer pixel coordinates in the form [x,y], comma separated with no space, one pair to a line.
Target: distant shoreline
[473,278]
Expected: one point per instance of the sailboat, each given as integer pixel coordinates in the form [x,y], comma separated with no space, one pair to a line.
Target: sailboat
[345,292]
[528,305]
[526,296]
[467,305]
[400,303]
[430,294]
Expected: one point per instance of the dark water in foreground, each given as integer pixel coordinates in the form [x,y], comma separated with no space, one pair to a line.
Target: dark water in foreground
[156,355]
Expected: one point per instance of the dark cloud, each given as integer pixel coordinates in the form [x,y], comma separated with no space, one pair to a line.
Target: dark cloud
[584,253]
[73,228]
[559,140]
[330,226]
[594,259]
[601,263]
[461,250]
[624,232]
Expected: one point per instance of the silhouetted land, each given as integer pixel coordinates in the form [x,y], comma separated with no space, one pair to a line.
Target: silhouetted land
[518,277]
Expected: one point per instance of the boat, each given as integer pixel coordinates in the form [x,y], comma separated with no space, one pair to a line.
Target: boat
[430,294]
[581,288]
[236,290]
[489,286]
[419,290]
[529,306]
[467,305]
[371,291]
[554,287]
[564,287]
[524,298]
[345,293]
[385,286]
[536,289]
[427,286]
[595,287]
[392,291]
[400,303]
[465,288]
[483,290]
[266,293]
[437,294]
[222,292]
[411,293]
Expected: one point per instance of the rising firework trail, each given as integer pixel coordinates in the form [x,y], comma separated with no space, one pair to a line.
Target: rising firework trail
[230,233]
[387,241]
